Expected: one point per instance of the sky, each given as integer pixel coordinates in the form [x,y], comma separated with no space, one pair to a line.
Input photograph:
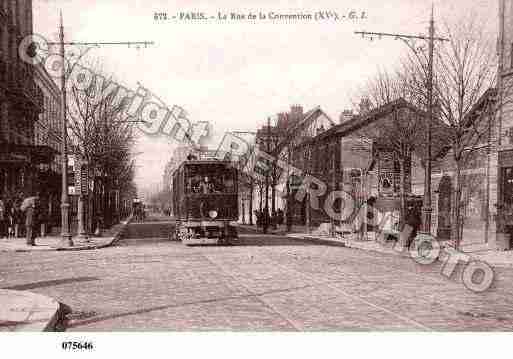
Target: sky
[236,74]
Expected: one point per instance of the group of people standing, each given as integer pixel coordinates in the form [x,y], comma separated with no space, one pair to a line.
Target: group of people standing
[263,217]
[138,211]
[21,217]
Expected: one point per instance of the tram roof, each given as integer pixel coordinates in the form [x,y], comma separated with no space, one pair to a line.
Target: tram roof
[205,162]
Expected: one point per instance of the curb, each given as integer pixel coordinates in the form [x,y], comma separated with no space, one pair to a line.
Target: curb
[121,231]
[317,240]
[116,237]
[46,305]
[54,321]
[401,254]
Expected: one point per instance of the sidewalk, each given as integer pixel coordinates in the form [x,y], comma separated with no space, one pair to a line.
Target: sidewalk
[53,243]
[477,251]
[23,311]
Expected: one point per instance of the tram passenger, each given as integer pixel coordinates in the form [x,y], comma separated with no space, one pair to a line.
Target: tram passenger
[206,186]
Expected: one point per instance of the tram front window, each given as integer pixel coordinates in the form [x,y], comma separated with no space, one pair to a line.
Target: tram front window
[211,182]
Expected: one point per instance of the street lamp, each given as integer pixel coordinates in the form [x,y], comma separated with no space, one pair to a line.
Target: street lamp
[426,207]
[66,240]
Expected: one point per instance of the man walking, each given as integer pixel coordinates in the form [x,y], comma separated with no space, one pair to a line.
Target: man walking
[31,222]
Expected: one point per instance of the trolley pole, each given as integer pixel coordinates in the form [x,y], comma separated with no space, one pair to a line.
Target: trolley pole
[426,203]
[288,214]
[66,240]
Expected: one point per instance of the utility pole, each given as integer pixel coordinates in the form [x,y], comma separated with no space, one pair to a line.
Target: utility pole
[65,229]
[307,199]
[426,208]
[431,38]
[288,214]
[66,240]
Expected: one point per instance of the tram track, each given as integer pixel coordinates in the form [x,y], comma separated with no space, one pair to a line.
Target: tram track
[258,296]
[315,282]
[330,285]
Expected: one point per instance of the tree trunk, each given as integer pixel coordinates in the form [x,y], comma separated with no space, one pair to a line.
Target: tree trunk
[260,189]
[457,220]
[251,187]
[273,198]
[308,214]
[243,208]
[402,166]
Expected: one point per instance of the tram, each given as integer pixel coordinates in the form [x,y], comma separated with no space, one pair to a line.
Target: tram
[205,202]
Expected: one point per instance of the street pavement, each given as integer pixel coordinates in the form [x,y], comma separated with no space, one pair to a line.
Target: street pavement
[263,283]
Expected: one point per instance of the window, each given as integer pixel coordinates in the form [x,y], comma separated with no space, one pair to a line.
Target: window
[210,179]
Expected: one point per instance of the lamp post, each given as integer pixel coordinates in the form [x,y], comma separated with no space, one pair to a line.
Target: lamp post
[66,240]
[426,206]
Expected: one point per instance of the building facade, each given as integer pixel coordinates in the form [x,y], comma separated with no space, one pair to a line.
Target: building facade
[351,157]
[47,138]
[286,138]
[21,103]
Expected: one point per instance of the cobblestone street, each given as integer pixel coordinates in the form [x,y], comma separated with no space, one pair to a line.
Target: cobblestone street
[264,283]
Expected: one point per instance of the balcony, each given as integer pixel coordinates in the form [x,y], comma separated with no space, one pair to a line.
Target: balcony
[22,88]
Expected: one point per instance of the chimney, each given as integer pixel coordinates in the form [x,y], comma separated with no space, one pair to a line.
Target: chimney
[365,106]
[296,113]
[282,120]
[345,115]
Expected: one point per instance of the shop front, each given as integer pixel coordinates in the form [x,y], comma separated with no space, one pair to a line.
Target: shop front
[19,169]
[505,203]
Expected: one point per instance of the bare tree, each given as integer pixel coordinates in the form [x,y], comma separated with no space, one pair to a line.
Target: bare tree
[465,70]
[104,139]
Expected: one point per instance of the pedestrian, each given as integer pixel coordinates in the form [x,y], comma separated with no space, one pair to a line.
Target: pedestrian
[43,217]
[266,219]
[31,221]
[273,220]
[16,217]
[11,221]
[279,216]
[413,219]
[258,215]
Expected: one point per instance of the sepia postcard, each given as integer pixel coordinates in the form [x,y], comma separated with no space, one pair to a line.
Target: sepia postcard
[228,173]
